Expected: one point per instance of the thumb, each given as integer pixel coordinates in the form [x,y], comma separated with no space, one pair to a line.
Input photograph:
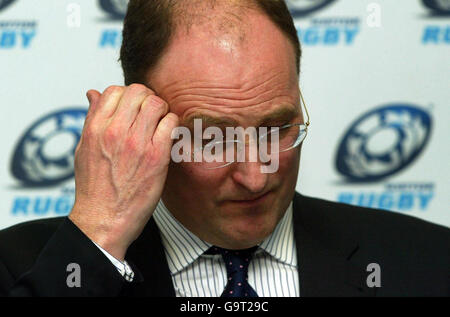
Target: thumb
[92,95]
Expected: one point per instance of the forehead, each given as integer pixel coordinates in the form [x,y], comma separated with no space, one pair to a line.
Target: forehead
[228,72]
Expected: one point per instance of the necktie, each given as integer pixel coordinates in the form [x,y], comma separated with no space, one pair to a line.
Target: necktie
[236,262]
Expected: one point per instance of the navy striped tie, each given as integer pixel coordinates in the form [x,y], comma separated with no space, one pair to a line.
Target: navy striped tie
[236,262]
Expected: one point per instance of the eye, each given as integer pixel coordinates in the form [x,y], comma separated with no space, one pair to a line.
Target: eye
[278,124]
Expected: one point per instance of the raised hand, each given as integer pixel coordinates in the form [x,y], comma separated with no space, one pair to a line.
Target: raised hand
[121,164]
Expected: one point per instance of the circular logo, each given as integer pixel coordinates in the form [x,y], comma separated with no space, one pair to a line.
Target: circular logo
[383,142]
[115,8]
[441,7]
[44,155]
[5,3]
[301,8]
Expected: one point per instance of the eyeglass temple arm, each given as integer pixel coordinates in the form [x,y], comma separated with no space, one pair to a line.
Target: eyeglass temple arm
[304,106]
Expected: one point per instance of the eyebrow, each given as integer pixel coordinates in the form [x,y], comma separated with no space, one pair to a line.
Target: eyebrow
[284,113]
[210,121]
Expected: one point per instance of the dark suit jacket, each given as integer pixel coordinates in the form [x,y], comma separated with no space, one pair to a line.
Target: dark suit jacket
[335,244]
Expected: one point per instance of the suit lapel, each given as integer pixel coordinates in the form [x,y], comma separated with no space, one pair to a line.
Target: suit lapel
[147,254]
[324,271]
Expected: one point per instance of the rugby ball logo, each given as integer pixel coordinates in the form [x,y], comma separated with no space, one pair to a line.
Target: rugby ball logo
[383,142]
[44,156]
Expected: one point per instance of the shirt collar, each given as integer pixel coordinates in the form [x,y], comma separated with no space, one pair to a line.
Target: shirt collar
[183,247]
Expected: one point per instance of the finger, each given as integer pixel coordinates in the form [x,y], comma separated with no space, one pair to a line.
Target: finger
[152,110]
[108,102]
[93,96]
[130,104]
[162,139]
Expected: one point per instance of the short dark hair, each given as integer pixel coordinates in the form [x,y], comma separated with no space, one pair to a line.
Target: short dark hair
[149,25]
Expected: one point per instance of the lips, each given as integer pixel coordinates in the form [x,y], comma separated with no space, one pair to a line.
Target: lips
[251,200]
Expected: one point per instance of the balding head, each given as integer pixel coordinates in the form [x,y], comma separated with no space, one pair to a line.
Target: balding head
[226,16]
[150,26]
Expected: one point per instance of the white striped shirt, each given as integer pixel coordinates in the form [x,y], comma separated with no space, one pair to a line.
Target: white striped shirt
[272,271]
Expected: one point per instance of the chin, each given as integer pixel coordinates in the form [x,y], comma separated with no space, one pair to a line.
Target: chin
[250,228]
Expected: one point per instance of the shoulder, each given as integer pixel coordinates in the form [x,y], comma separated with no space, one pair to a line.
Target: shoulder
[21,244]
[360,219]
[411,253]
[377,230]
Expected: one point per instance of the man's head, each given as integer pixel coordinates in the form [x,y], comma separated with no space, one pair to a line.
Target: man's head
[230,61]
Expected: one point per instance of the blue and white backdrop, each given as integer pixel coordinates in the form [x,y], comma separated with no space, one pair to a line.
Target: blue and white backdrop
[375,76]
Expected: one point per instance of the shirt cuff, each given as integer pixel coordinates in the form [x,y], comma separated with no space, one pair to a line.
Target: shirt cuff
[123,267]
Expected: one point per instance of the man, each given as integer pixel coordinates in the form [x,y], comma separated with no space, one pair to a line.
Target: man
[143,225]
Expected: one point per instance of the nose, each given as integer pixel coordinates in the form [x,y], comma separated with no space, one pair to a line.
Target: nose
[249,176]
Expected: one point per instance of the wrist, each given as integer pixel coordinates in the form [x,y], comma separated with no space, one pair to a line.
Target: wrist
[102,236]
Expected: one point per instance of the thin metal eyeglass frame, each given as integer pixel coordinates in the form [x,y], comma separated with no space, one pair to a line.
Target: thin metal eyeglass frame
[306,125]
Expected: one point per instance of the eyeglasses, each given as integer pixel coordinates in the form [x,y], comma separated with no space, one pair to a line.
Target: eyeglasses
[213,154]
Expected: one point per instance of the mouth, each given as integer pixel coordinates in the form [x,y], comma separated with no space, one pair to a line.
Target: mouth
[251,201]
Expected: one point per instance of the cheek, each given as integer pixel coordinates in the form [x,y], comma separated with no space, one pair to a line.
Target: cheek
[288,172]
[289,163]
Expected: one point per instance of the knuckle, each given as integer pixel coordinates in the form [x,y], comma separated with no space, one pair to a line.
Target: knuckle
[113,90]
[169,123]
[140,89]
[111,134]
[173,119]
[156,103]
[136,86]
